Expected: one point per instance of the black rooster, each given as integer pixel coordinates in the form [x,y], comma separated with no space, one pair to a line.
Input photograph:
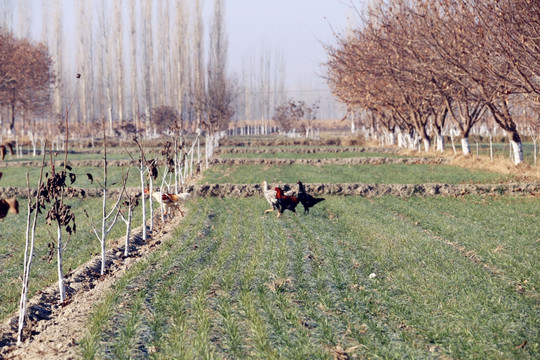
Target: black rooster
[307,200]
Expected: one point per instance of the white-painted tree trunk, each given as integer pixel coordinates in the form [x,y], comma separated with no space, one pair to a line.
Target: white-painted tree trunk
[61,285]
[392,138]
[465,146]
[161,190]
[491,147]
[103,227]
[517,149]
[175,166]
[427,144]
[440,143]
[28,256]
[414,143]
[151,202]
[452,140]
[143,203]
[207,150]
[128,228]
[198,150]
[400,139]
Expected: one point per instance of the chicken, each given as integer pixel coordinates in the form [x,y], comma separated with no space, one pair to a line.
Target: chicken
[285,202]
[306,199]
[8,206]
[270,196]
[169,201]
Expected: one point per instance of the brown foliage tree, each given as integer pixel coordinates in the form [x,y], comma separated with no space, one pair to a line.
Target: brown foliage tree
[164,117]
[25,76]
[295,114]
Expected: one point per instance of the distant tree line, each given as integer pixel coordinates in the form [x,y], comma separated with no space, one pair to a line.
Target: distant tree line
[136,59]
[418,68]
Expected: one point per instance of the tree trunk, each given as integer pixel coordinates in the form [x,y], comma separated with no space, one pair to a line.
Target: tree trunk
[128,229]
[427,144]
[12,120]
[440,143]
[502,116]
[517,148]
[143,200]
[491,147]
[465,146]
[150,202]
[103,230]
[61,286]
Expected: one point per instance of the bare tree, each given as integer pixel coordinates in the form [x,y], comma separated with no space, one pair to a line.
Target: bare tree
[108,217]
[180,51]
[219,89]
[57,50]
[197,82]
[148,58]
[83,48]
[34,209]
[422,60]
[117,42]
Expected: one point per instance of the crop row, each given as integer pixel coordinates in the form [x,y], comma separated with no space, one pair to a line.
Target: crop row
[383,277]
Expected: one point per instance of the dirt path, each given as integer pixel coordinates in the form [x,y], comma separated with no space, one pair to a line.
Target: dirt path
[56,329]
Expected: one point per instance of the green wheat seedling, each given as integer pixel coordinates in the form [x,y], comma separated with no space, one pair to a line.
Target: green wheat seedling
[366,277]
[368,174]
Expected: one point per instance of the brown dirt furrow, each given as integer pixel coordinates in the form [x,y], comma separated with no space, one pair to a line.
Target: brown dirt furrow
[73,163]
[311,150]
[371,190]
[241,161]
[254,142]
[340,161]
[344,189]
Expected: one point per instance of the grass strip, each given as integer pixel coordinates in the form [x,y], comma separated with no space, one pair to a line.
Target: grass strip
[369,174]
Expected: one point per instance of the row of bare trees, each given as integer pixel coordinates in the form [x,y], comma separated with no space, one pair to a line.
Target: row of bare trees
[54,186]
[416,64]
[134,56]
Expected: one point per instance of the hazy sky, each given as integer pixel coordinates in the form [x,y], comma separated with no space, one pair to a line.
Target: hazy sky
[293,28]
